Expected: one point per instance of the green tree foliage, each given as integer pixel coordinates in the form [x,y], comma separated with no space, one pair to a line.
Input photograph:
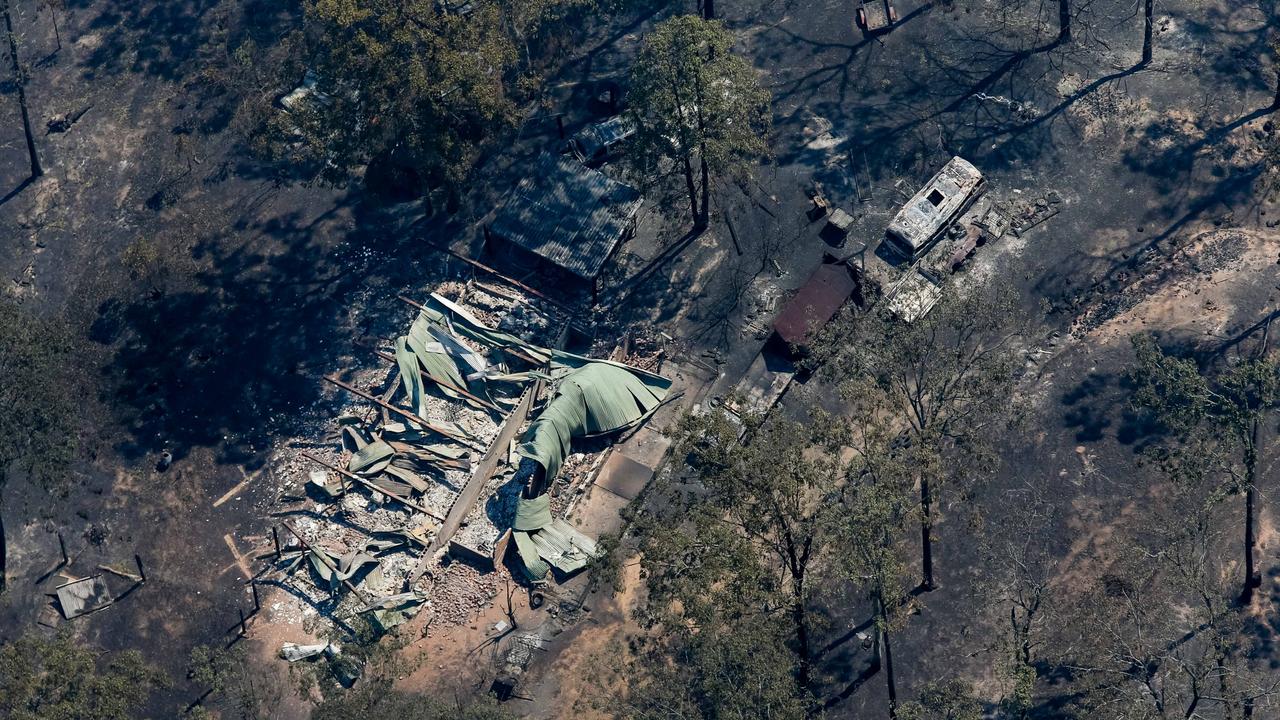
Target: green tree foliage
[747,671]
[58,679]
[943,382]
[379,700]
[1215,417]
[700,109]
[947,700]
[403,81]
[531,21]
[1020,585]
[37,431]
[736,563]
[874,505]
[233,686]
[1155,640]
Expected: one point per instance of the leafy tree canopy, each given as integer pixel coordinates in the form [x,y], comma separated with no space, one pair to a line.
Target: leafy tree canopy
[700,109]
[740,557]
[37,434]
[378,700]
[59,679]
[946,700]
[401,79]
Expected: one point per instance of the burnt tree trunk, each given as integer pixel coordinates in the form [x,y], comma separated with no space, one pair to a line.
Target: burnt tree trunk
[797,559]
[57,36]
[1252,578]
[21,82]
[1276,103]
[4,553]
[1148,23]
[705,219]
[708,9]
[886,659]
[926,535]
[693,193]
[804,677]
[1064,21]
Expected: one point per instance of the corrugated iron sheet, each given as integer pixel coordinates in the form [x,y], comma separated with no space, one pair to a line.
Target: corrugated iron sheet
[568,214]
[814,304]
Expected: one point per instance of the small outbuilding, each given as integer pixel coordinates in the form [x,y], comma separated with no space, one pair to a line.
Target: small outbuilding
[813,306]
[567,215]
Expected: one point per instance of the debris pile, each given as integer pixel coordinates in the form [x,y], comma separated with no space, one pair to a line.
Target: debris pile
[403,507]
[1028,213]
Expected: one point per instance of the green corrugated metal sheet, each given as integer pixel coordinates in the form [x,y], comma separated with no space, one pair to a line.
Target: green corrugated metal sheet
[534,567]
[591,399]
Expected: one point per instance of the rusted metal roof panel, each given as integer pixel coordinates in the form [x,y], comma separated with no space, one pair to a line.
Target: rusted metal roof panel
[568,214]
[815,303]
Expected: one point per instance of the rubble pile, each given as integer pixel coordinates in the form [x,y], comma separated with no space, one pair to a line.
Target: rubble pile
[1029,212]
[371,497]
[458,592]
[645,351]
[488,519]
[401,508]
[508,309]
[576,476]
[1202,255]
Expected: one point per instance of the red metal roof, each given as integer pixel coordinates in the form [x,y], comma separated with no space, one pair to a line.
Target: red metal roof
[814,304]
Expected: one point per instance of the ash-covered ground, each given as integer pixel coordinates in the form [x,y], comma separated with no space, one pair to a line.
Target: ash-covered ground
[213,348]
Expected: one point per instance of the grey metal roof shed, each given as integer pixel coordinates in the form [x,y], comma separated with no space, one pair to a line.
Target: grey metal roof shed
[569,215]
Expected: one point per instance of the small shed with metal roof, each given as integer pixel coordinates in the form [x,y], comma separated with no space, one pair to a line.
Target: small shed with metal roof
[813,306]
[569,215]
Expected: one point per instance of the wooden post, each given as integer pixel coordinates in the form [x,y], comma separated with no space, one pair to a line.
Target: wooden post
[62,545]
[257,603]
[244,628]
[141,573]
[560,125]
[275,537]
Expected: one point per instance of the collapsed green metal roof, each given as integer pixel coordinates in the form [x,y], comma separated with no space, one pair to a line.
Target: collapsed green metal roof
[593,398]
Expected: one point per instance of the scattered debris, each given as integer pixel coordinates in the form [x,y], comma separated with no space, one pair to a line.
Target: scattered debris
[380,516]
[294,652]
[63,123]
[83,596]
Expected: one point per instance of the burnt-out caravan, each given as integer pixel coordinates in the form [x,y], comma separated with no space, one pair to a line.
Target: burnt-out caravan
[920,222]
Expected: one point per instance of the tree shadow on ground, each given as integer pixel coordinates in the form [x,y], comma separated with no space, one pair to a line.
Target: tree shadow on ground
[1178,160]
[1265,629]
[167,39]
[1098,407]
[235,354]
